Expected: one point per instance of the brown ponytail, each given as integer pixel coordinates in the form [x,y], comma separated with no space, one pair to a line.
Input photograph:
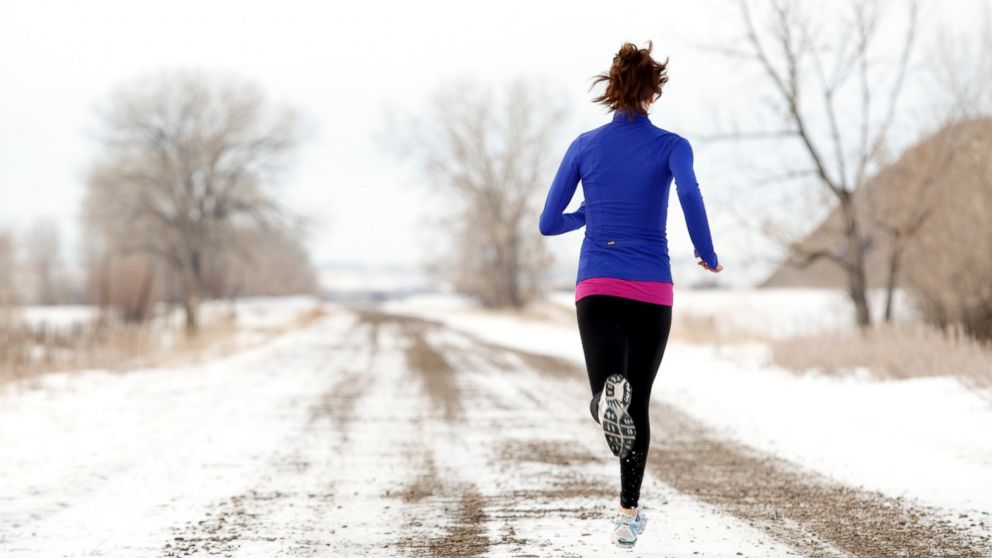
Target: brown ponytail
[633,78]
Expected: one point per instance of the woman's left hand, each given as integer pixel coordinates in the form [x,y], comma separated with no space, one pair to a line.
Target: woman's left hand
[719,267]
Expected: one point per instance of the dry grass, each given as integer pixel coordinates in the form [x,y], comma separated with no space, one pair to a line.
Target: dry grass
[890,352]
[26,352]
[703,328]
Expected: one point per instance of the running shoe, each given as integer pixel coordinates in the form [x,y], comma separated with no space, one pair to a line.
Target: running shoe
[624,531]
[626,528]
[641,521]
[617,425]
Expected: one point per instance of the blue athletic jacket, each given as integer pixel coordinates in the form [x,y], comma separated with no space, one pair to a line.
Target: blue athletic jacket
[626,169]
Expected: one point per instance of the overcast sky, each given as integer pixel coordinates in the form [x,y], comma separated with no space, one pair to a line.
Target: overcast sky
[343,65]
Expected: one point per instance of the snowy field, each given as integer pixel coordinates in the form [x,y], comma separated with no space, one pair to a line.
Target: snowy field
[238,324]
[251,312]
[428,427]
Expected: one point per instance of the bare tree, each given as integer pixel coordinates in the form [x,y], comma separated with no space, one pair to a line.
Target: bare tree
[125,284]
[491,155]
[963,74]
[900,200]
[42,249]
[8,286]
[809,75]
[951,273]
[952,277]
[186,158]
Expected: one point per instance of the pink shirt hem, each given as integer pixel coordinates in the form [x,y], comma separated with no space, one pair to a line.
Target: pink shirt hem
[655,292]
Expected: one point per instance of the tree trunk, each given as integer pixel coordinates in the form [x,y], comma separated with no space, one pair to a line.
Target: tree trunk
[892,281]
[143,303]
[856,279]
[192,306]
[191,294]
[514,294]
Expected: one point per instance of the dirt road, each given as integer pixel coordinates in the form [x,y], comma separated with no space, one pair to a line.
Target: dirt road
[373,434]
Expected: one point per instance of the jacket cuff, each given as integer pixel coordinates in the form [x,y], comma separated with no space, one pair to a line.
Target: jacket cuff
[710,258]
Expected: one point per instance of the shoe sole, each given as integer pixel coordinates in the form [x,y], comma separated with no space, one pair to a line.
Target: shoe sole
[623,544]
[617,425]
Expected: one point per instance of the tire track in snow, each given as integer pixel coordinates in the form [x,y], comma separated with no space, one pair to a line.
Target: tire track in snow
[339,402]
[559,485]
[461,527]
[546,471]
[458,531]
[815,515]
[267,516]
[451,516]
[518,490]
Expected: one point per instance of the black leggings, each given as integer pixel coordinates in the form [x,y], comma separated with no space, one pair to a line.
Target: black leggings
[626,336]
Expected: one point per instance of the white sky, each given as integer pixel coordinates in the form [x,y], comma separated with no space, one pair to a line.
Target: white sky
[344,65]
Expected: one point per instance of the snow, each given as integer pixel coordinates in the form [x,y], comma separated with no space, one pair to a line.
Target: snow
[120,464]
[691,528]
[258,311]
[57,317]
[262,312]
[135,453]
[925,438]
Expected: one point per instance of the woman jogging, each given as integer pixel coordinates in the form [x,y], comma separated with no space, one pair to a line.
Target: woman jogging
[623,292]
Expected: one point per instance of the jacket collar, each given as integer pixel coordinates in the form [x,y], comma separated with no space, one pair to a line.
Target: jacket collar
[620,115]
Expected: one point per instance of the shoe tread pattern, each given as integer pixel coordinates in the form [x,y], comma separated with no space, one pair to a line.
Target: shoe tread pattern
[617,425]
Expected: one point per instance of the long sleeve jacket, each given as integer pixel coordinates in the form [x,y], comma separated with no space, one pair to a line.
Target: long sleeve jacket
[626,168]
